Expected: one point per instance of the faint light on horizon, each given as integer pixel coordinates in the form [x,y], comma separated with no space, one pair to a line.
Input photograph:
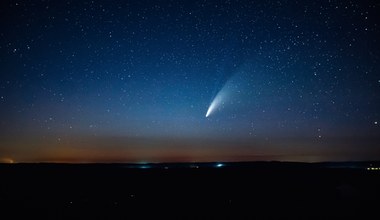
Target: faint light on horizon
[145,167]
[219,165]
[194,166]
[6,160]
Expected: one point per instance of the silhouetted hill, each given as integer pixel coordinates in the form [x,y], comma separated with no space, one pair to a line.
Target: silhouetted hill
[246,190]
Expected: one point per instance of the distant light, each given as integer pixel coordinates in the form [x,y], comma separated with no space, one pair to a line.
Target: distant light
[219,165]
[6,160]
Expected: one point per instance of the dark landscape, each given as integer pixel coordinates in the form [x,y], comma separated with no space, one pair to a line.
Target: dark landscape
[257,190]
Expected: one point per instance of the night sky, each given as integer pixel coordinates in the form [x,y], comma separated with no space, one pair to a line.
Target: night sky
[132,81]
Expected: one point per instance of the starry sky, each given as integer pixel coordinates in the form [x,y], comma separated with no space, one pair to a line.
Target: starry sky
[131,81]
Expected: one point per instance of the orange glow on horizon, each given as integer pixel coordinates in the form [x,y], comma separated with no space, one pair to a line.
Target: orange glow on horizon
[6,160]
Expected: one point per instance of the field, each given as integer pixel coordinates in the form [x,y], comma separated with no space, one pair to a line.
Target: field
[190,191]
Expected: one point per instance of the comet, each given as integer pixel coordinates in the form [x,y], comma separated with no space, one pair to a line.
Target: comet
[226,92]
[216,103]
[230,93]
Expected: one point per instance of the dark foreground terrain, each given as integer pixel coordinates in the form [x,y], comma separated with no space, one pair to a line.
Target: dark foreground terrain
[190,191]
